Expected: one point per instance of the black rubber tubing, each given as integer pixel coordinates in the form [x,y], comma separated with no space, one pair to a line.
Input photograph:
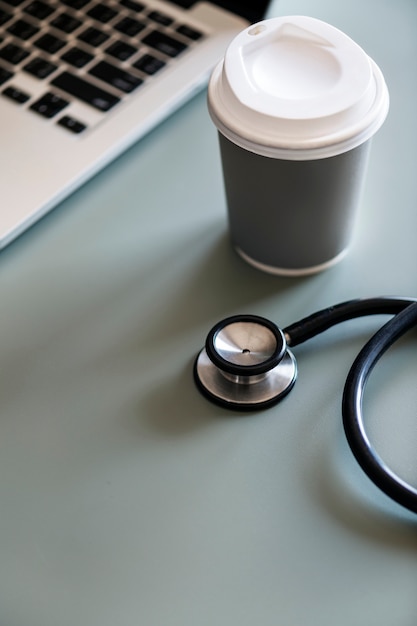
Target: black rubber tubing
[404,311]
[318,322]
[353,422]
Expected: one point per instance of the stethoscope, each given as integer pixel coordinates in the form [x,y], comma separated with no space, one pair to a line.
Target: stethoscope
[246,364]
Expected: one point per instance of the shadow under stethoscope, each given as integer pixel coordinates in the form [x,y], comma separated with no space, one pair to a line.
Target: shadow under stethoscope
[330,477]
[176,409]
[331,480]
[338,486]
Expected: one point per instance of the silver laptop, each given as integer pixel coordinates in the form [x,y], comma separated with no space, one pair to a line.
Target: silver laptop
[82,80]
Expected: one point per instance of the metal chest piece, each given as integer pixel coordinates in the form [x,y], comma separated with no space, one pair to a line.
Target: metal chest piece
[245,364]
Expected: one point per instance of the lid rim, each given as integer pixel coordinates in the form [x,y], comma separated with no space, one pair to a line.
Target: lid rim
[303,153]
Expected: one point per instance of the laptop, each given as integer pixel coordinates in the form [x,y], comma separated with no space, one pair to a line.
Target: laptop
[82,80]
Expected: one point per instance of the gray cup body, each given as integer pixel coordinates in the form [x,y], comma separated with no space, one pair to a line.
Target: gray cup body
[292,217]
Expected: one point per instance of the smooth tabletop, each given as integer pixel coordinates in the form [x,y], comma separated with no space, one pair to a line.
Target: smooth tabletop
[126,498]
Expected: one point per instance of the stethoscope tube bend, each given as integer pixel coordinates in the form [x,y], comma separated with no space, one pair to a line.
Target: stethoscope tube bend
[352,409]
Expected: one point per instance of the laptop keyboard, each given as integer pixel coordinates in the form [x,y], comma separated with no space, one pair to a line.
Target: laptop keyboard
[95,52]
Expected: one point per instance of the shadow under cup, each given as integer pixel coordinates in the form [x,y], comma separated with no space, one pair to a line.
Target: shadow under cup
[292,217]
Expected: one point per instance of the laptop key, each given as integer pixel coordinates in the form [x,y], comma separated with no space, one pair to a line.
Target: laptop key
[190,33]
[149,64]
[13,3]
[5,75]
[132,5]
[13,54]
[4,17]
[93,36]
[71,124]
[129,26]
[77,57]
[115,77]
[121,50]
[160,18]
[22,29]
[40,68]
[66,22]
[18,96]
[49,105]
[102,13]
[75,4]
[49,43]
[164,43]
[40,10]
[85,91]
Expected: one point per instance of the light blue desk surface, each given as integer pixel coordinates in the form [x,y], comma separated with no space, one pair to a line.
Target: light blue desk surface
[128,499]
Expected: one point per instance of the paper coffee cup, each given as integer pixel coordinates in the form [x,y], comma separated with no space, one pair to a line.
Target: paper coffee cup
[296,103]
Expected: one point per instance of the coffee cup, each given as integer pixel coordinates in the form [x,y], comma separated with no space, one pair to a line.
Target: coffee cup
[296,103]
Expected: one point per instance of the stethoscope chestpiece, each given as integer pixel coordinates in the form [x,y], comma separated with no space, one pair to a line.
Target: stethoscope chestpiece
[245,364]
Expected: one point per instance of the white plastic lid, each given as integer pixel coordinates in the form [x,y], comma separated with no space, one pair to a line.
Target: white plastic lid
[297,88]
